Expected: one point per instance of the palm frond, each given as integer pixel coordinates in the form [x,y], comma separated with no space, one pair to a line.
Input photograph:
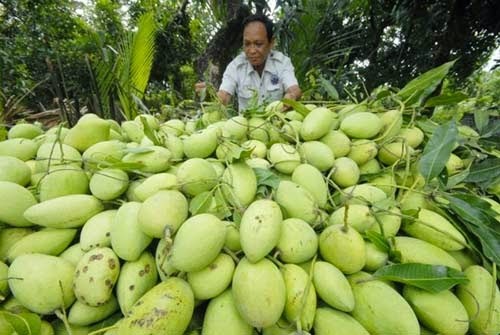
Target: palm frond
[123,73]
[143,50]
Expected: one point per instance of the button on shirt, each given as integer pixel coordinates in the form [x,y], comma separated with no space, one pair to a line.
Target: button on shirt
[241,79]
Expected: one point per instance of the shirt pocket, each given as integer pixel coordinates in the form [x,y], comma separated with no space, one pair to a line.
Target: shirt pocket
[246,92]
[274,92]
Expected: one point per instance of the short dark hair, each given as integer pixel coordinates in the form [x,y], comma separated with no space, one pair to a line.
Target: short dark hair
[261,18]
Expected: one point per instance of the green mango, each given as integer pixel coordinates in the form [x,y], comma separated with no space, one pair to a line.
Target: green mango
[81,314]
[15,200]
[167,308]
[198,242]
[135,279]
[440,312]
[380,308]
[300,296]
[332,286]
[95,276]
[260,229]
[329,321]
[259,292]
[212,280]
[298,241]
[42,283]
[222,317]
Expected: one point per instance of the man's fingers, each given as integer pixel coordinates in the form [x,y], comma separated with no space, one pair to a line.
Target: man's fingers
[199,86]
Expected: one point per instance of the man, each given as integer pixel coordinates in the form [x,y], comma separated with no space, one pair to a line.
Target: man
[258,70]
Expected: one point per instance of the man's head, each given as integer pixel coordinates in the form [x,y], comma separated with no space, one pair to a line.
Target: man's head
[258,39]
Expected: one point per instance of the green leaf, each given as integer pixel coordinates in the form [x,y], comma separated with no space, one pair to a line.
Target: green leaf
[297,106]
[438,150]
[491,130]
[418,89]
[427,126]
[457,179]
[480,220]
[329,88]
[149,132]
[137,150]
[266,178]
[481,119]
[142,53]
[222,208]
[445,99]
[200,203]
[235,152]
[485,170]
[432,278]
[379,240]
[23,323]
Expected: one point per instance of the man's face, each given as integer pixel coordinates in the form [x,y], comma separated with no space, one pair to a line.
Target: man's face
[255,44]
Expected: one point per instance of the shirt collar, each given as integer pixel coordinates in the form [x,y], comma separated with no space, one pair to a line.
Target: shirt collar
[269,67]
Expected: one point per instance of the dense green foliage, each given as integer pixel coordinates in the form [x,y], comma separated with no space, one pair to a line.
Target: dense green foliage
[51,51]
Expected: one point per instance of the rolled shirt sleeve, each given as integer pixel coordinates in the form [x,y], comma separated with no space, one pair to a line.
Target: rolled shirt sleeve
[229,79]
[288,74]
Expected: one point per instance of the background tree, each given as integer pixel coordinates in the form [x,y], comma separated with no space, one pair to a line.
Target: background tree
[53,43]
[388,41]
[34,34]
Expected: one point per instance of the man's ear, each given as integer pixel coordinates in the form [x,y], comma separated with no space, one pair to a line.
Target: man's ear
[272,42]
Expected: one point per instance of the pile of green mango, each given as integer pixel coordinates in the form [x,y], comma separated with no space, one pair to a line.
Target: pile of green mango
[273,223]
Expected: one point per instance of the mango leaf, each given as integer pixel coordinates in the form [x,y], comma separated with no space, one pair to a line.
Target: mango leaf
[457,179]
[427,126]
[329,88]
[438,150]
[445,99]
[490,145]
[381,93]
[491,130]
[485,170]
[148,132]
[200,203]
[137,150]
[237,215]
[297,106]
[479,219]
[432,278]
[267,178]
[418,89]
[221,206]
[379,240]
[481,119]
[23,323]
[234,152]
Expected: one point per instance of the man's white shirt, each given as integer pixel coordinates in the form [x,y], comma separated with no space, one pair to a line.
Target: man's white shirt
[242,80]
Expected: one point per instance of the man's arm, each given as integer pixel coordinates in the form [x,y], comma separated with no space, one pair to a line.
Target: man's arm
[224,97]
[293,93]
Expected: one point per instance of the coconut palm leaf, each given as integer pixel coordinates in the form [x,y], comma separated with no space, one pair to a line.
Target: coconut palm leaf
[323,49]
[143,50]
[123,74]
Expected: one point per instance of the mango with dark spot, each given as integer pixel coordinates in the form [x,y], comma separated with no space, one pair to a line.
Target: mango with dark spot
[211,281]
[260,229]
[81,314]
[165,309]
[95,276]
[300,296]
[135,279]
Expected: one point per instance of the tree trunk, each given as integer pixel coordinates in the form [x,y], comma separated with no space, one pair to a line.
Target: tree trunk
[224,46]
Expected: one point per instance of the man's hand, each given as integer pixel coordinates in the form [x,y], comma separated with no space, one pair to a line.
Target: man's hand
[199,86]
[292,93]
